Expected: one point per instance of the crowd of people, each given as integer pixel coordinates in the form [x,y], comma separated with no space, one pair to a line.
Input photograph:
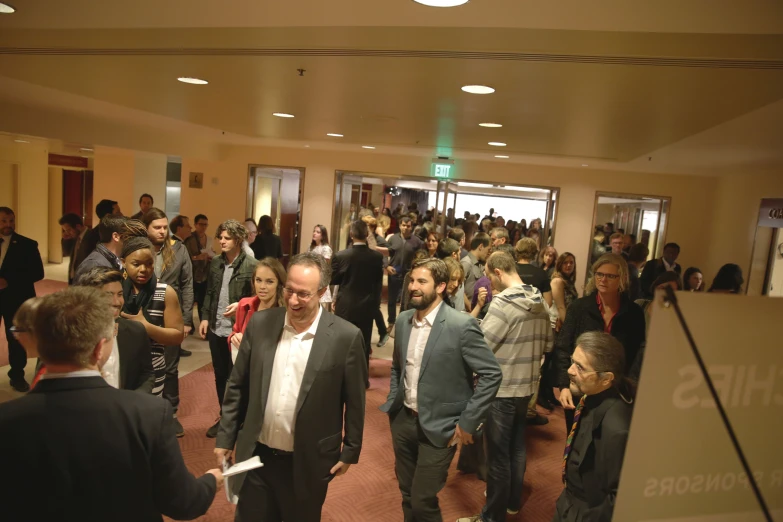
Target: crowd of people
[489,330]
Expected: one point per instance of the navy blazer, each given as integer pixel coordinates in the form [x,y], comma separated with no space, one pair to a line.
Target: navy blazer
[455,350]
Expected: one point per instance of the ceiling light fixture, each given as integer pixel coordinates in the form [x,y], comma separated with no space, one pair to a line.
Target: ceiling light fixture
[496,144]
[6,8]
[192,81]
[86,149]
[478,89]
[491,125]
[502,157]
[585,165]
[334,135]
[282,115]
[442,3]
[367,147]
[21,141]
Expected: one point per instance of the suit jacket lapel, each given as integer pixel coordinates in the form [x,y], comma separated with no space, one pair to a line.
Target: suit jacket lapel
[318,352]
[437,328]
[268,350]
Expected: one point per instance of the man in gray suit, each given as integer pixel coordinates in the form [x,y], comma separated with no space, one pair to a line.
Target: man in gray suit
[297,385]
[432,404]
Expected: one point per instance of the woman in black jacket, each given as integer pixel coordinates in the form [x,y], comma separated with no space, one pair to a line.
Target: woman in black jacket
[605,307]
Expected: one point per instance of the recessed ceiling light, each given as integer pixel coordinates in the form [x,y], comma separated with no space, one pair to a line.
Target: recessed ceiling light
[367,147]
[442,3]
[86,149]
[502,157]
[6,8]
[21,141]
[282,115]
[490,125]
[334,135]
[585,165]
[192,81]
[497,144]
[478,89]
[307,146]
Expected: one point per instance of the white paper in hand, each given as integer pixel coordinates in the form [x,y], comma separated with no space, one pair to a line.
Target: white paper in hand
[241,467]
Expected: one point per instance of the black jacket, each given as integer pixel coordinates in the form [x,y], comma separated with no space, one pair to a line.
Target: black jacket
[133,344]
[650,273]
[593,468]
[88,244]
[240,285]
[95,454]
[330,402]
[22,267]
[359,272]
[583,316]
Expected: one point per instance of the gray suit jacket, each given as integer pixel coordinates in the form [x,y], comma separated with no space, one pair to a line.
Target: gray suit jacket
[331,399]
[455,351]
[180,277]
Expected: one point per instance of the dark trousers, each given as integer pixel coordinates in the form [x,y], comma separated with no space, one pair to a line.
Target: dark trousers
[171,384]
[199,293]
[395,290]
[267,495]
[17,356]
[221,362]
[379,324]
[504,435]
[421,468]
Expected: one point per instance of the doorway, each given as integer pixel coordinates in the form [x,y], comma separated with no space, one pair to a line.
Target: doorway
[446,202]
[766,266]
[277,192]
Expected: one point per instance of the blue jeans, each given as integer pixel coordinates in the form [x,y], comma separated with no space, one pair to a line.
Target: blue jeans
[504,436]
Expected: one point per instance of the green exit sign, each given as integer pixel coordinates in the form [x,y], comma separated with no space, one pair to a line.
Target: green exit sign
[442,170]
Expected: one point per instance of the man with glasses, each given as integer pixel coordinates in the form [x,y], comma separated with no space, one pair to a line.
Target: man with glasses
[296,400]
[595,447]
[230,279]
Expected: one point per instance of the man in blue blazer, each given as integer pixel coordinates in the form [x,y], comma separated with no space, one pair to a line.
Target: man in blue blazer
[432,404]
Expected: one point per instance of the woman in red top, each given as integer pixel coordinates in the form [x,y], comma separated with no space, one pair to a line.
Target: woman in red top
[268,281]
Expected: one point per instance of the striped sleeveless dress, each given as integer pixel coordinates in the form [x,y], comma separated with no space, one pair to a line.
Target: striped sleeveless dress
[155,309]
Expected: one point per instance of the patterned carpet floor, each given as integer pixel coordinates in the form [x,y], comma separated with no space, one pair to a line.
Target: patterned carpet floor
[369,492]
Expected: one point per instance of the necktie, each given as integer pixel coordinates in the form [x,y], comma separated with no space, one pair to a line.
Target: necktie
[570,439]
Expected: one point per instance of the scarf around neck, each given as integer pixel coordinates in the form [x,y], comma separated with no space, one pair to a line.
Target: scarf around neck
[136,302]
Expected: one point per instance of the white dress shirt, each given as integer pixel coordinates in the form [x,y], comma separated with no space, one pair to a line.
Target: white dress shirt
[420,334]
[111,370]
[291,357]
[4,248]
[669,268]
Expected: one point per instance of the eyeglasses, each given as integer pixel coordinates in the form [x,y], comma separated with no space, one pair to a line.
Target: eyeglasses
[579,369]
[17,330]
[602,275]
[302,296]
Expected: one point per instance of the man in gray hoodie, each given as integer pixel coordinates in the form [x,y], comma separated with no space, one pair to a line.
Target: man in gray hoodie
[518,332]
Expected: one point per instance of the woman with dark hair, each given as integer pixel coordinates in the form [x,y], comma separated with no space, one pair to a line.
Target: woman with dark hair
[454,294]
[267,243]
[546,260]
[432,244]
[563,285]
[693,280]
[605,307]
[728,280]
[155,305]
[320,245]
[269,278]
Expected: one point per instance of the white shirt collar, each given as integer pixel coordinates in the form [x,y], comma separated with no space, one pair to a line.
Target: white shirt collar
[313,327]
[668,267]
[429,319]
[78,373]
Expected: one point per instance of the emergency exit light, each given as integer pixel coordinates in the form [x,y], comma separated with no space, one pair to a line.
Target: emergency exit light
[442,168]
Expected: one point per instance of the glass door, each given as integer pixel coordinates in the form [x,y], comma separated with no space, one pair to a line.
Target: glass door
[347,200]
[445,204]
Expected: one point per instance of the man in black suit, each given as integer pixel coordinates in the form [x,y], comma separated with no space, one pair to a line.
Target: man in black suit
[594,458]
[653,269]
[131,366]
[82,450]
[358,270]
[92,237]
[297,385]
[20,268]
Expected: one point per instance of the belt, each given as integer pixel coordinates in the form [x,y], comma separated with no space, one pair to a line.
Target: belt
[275,451]
[412,412]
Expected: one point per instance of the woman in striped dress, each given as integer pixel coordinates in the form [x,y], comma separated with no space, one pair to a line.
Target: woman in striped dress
[153,304]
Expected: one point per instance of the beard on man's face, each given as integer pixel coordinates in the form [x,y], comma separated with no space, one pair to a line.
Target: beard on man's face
[421,300]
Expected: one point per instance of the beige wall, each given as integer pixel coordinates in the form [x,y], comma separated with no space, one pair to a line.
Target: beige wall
[55,210]
[150,178]
[114,174]
[32,192]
